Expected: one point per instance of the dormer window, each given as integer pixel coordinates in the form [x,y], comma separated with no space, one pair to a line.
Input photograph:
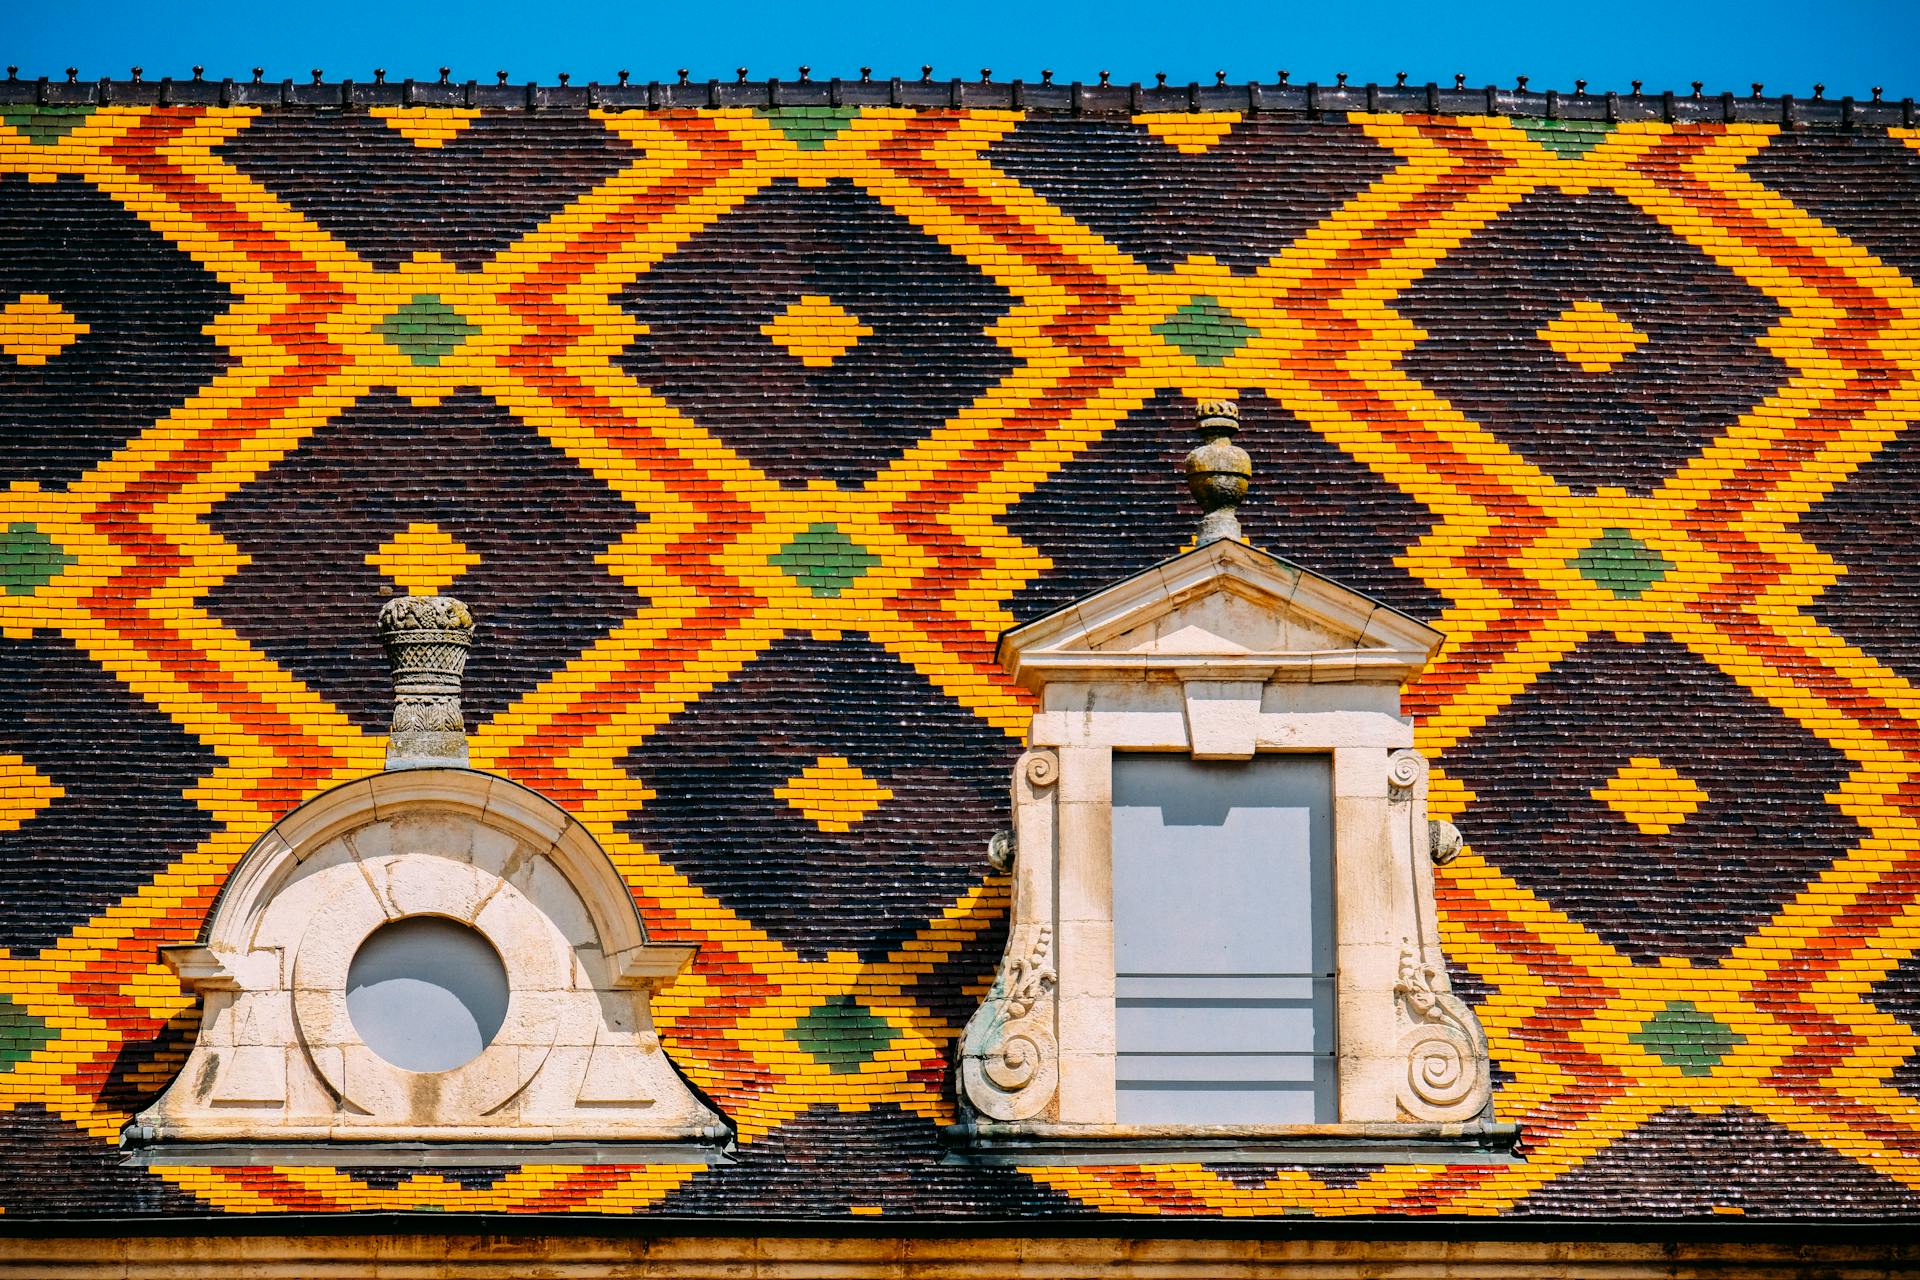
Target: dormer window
[1223,942]
[431,965]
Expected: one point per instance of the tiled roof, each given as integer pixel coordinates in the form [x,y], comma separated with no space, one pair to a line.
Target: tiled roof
[746,431]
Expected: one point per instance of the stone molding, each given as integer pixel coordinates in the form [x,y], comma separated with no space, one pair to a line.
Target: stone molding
[1223,653]
[698,1252]
[277,1061]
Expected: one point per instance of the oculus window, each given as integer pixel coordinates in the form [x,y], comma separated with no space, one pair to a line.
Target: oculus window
[427,966]
[427,993]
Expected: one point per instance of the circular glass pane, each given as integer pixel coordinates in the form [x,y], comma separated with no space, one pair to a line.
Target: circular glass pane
[427,993]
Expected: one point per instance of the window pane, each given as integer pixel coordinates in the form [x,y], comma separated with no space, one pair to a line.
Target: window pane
[1223,940]
[426,993]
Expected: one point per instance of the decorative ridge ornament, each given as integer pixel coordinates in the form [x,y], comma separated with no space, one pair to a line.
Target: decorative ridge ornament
[426,639]
[1280,97]
[1218,471]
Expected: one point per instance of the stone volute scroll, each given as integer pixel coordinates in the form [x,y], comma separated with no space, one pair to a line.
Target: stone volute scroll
[431,965]
[1150,1006]
[1009,1060]
[1441,1041]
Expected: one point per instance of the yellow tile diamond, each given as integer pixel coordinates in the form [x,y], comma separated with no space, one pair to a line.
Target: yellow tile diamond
[1650,795]
[24,792]
[34,329]
[815,330]
[833,793]
[428,127]
[422,559]
[1191,133]
[1589,335]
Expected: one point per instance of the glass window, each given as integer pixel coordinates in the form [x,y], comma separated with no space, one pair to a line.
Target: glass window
[1223,928]
[427,993]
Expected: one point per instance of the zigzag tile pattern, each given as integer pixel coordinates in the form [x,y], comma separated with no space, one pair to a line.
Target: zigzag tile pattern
[1694,1010]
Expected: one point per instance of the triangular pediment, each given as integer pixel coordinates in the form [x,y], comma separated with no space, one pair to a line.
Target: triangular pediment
[1224,608]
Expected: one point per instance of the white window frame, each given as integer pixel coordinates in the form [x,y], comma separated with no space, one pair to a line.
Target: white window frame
[1222,653]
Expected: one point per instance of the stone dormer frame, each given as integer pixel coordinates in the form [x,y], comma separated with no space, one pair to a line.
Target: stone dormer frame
[1223,653]
[279,1075]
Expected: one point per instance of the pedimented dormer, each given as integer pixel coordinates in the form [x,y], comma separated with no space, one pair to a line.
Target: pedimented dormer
[1224,624]
[1223,942]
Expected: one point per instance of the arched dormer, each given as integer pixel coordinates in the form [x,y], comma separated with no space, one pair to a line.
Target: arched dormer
[288,1054]
[432,964]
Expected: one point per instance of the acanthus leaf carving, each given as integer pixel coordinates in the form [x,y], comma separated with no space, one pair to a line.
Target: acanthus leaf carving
[1009,1063]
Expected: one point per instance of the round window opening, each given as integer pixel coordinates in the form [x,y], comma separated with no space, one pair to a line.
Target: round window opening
[427,993]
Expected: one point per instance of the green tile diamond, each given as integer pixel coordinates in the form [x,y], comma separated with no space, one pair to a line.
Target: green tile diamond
[1684,1037]
[1568,139]
[1617,561]
[824,560]
[426,329]
[29,559]
[841,1034]
[809,128]
[21,1034]
[45,126]
[1205,331]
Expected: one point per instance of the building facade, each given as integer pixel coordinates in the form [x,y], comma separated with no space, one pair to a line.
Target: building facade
[746,418]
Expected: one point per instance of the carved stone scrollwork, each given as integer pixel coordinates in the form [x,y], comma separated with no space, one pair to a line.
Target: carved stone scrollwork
[1405,771]
[1042,768]
[1009,1063]
[1001,848]
[1445,1049]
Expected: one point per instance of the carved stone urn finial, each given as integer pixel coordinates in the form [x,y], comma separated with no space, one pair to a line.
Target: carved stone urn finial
[426,638]
[1218,471]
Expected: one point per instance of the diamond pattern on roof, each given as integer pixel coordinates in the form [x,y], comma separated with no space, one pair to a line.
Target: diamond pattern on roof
[34,329]
[1560,834]
[805,712]
[486,486]
[673,453]
[708,309]
[138,314]
[1591,337]
[1701,364]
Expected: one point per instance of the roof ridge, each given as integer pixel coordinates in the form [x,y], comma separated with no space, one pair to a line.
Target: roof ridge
[1046,95]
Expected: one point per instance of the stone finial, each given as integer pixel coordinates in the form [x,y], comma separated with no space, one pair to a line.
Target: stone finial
[426,638]
[1218,471]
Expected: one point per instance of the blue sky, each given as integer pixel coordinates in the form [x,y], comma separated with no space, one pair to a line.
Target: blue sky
[1789,46]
